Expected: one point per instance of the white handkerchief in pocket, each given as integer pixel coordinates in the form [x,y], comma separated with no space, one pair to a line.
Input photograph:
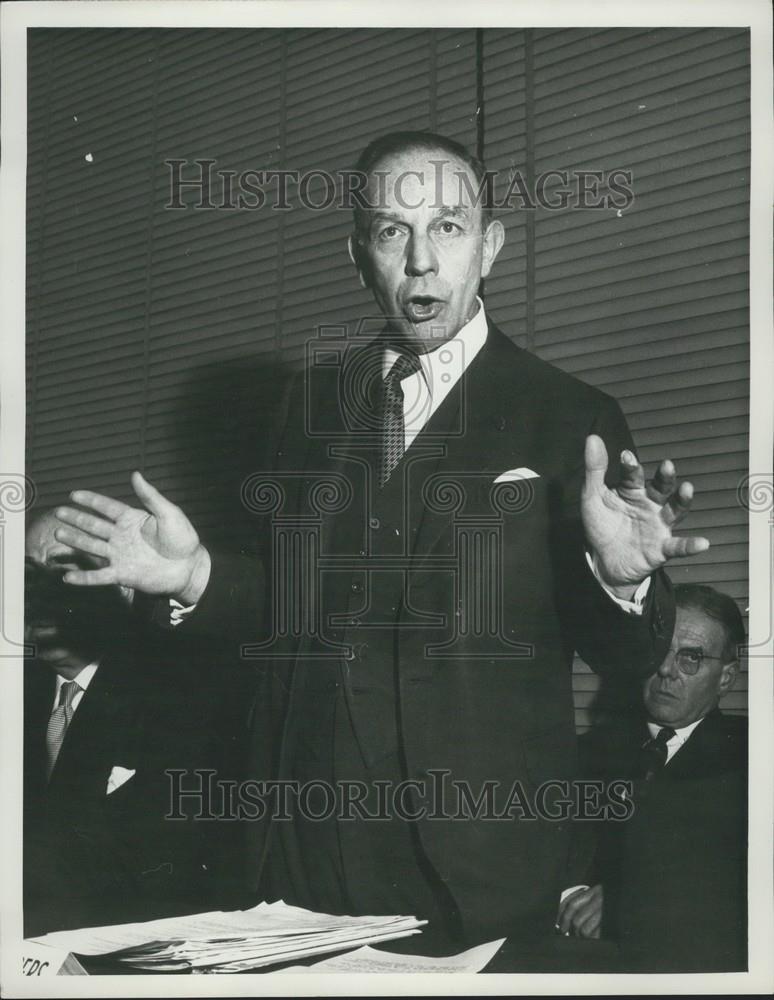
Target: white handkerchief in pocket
[118,776]
[512,474]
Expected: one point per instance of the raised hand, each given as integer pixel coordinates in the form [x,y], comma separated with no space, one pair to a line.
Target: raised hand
[155,550]
[629,528]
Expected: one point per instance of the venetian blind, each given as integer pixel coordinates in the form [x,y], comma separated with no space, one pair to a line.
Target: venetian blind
[155,334]
[648,302]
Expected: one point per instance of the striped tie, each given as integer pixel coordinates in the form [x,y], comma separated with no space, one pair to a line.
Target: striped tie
[393,427]
[58,722]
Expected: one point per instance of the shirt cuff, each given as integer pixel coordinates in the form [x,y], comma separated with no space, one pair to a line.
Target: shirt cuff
[632,607]
[570,891]
[178,613]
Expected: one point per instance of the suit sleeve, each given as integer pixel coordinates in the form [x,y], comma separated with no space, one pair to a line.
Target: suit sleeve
[236,607]
[610,639]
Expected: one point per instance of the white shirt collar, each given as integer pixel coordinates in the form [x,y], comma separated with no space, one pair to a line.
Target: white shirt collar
[82,679]
[681,735]
[680,738]
[440,370]
[450,357]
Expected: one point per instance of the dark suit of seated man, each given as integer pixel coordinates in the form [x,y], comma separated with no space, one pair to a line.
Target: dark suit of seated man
[671,880]
[100,729]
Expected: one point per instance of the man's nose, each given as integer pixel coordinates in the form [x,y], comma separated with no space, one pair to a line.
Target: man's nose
[669,666]
[420,256]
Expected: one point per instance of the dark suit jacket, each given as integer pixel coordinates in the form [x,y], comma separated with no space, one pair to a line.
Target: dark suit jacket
[675,874]
[92,858]
[485,694]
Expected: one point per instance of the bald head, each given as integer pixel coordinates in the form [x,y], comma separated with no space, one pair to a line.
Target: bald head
[41,546]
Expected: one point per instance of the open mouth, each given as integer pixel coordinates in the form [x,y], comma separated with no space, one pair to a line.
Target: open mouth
[421,308]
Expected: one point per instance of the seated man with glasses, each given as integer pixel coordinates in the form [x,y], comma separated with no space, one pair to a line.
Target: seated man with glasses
[670,880]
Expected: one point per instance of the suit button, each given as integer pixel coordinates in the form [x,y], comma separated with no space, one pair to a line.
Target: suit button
[374,522]
[357,586]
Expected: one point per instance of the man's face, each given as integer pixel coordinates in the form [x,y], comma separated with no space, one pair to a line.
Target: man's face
[422,250]
[673,698]
[63,623]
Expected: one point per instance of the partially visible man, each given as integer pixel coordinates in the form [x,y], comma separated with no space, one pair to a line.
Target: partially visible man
[100,728]
[672,879]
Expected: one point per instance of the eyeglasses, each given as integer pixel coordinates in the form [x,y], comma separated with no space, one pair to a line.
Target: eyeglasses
[689,660]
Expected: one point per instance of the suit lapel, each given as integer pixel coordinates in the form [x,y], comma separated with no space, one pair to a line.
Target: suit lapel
[39,686]
[700,755]
[473,430]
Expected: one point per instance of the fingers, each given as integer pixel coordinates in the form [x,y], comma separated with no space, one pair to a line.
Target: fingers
[40,633]
[680,502]
[96,526]
[677,547]
[595,456]
[589,927]
[675,502]
[661,490]
[572,909]
[587,912]
[82,541]
[632,473]
[662,486]
[150,497]
[562,915]
[90,577]
[109,508]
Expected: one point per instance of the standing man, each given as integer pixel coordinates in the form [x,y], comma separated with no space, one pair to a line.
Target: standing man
[672,884]
[473,550]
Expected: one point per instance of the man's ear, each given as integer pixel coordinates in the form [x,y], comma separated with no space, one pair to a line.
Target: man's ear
[358,258]
[494,237]
[728,676]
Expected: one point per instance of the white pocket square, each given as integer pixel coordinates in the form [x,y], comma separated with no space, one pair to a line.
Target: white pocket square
[118,776]
[512,474]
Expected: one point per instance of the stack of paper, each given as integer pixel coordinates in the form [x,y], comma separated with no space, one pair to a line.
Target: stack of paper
[369,960]
[230,941]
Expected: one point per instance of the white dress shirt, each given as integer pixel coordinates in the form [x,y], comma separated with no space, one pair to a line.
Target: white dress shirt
[440,370]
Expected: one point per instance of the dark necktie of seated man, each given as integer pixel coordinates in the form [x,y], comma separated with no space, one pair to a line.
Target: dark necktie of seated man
[393,426]
[654,753]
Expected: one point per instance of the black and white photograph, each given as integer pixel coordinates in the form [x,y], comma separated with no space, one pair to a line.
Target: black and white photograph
[386,505]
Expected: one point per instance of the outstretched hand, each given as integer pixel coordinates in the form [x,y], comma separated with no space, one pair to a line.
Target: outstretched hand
[629,528]
[155,550]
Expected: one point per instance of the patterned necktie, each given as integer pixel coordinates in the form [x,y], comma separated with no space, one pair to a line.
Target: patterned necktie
[393,427]
[58,722]
[654,752]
